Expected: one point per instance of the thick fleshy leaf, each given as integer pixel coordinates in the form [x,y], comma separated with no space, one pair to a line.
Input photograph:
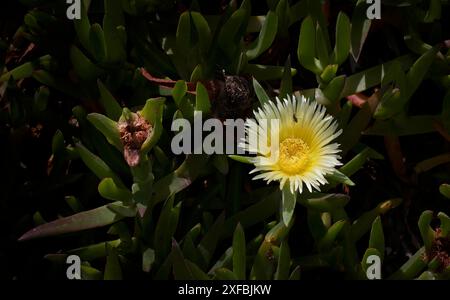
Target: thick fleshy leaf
[360,28]
[179,91]
[202,102]
[420,68]
[332,233]
[260,92]
[25,70]
[263,266]
[284,262]
[113,271]
[97,42]
[208,244]
[109,103]
[114,32]
[165,228]
[239,253]
[224,261]
[83,26]
[232,31]
[342,47]
[90,273]
[191,252]
[363,224]
[95,251]
[83,66]
[254,214]
[242,159]
[59,84]
[286,81]
[94,218]
[109,190]
[427,233]
[445,224]
[196,272]
[376,240]
[266,36]
[295,275]
[108,127]
[288,202]
[265,72]
[359,160]
[316,225]
[153,110]
[324,202]
[264,263]
[334,89]
[371,77]
[180,178]
[283,9]
[339,177]
[97,165]
[126,211]
[203,31]
[153,113]
[181,270]
[183,35]
[412,267]
[307,47]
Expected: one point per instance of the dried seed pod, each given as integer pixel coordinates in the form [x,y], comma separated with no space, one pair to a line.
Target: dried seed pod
[133,133]
[232,97]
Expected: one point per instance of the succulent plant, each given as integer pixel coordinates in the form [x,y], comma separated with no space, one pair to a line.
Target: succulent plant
[86,113]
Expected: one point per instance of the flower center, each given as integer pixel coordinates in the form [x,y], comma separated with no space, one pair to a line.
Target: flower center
[294,156]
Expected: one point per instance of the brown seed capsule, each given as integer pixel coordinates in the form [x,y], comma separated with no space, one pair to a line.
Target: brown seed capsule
[133,133]
[232,97]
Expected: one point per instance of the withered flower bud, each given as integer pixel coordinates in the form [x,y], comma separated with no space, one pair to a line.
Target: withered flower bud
[440,249]
[231,97]
[133,133]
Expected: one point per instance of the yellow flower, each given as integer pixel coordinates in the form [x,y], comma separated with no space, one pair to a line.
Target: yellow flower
[297,145]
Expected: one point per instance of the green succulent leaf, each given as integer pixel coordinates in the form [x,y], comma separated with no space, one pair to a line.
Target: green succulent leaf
[260,92]
[109,103]
[239,253]
[97,165]
[202,99]
[108,128]
[412,267]
[286,81]
[331,235]
[94,218]
[113,270]
[427,233]
[165,228]
[360,28]
[307,47]
[208,244]
[97,42]
[284,262]
[288,202]
[266,36]
[83,66]
[363,224]
[109,190]
[343,42]
[376,240]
